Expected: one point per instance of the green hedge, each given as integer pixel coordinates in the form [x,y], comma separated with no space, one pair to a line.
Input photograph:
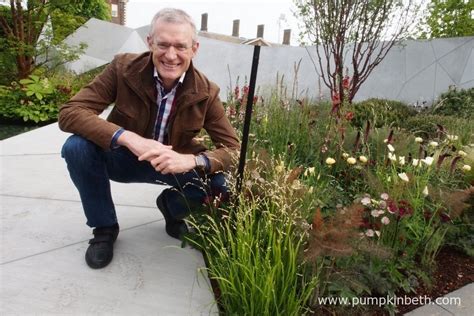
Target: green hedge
[381,112]
[455,102]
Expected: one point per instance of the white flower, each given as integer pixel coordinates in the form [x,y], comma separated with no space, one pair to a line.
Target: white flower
[418,139]
[369,233]
[425,191]
[390,147]
[384,196]
[309,171]
[452,137]
[401,160]
[380,212]
[428,161]
[310,190]
[415,162]
[365,201]
[345,155]
[375,213]
[363,159]
[330,161]
[377,233]
[392,157]
[433,144]
[462,153]
[466,168]
[351,160]
[385,220]
[403,176]
[385,140]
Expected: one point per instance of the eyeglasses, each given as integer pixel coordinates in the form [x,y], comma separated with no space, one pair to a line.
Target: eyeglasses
[163,46]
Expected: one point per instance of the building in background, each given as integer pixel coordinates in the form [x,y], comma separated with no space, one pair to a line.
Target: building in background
[118,11]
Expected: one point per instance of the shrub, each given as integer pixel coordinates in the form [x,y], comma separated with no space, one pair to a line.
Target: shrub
[37,99]
[431,126]
[381,112]
[34,99]
[455,102]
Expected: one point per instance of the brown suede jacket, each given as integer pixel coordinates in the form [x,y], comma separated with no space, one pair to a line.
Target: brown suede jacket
[128,82]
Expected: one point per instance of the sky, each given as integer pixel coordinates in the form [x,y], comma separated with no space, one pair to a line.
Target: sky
[221,14]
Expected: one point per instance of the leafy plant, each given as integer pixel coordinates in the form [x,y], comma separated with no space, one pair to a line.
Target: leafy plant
[253,245]
[455,102]
[381,112]
[37,87]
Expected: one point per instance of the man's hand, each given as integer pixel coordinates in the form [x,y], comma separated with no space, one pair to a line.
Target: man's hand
[139,145]
[166,160]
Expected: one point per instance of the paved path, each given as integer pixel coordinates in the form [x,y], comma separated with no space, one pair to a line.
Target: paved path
[44,238]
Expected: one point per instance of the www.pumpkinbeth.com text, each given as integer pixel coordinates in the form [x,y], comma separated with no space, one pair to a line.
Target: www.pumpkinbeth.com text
[389,300]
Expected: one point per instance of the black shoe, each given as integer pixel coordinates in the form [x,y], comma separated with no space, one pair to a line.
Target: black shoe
[176,228]
[101,248]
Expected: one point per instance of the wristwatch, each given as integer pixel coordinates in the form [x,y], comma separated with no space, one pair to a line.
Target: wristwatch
[200,162]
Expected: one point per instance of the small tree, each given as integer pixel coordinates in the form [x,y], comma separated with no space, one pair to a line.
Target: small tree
[22,25]
[359,31]
[449,18]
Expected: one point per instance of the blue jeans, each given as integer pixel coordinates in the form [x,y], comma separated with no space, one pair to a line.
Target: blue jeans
[91,168]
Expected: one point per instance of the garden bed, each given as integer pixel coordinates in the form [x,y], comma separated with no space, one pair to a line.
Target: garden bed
[454,270]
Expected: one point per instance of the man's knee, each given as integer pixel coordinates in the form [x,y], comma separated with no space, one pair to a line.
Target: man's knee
[77,148]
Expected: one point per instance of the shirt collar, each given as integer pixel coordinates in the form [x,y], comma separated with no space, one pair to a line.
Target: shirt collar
[158,79]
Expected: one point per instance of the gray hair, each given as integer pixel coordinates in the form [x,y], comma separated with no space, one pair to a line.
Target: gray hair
[172,15]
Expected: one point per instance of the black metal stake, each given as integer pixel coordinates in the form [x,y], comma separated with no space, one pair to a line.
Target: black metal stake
[248,116]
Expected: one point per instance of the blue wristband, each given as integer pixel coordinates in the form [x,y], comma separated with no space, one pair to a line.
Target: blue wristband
[113,142]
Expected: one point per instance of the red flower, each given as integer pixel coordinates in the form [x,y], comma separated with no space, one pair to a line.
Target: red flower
[346,82]
[444,217]
[400,209]
[245,89]
[335,99]
[404,208]
[349,116]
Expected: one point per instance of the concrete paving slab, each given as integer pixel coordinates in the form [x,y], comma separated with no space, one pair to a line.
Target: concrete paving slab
[44,238]
[45,140]
[429,310]
[460,302]
[46,176]
[149,275]
[30,226]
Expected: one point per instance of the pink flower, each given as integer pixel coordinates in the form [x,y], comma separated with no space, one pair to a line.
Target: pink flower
[236,92]
[370,233]
[385,220]
[365,201]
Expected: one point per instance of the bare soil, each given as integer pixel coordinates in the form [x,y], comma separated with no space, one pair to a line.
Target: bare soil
[454,270]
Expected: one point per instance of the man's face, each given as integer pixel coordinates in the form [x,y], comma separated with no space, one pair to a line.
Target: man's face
[173,48]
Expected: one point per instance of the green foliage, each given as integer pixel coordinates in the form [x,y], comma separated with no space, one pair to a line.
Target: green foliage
[432,126]
[455,102]
[381,112]
[32,100]
[253,246]
[39,88]
[360,243]
[449,18]
[69,18]
[40,43]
